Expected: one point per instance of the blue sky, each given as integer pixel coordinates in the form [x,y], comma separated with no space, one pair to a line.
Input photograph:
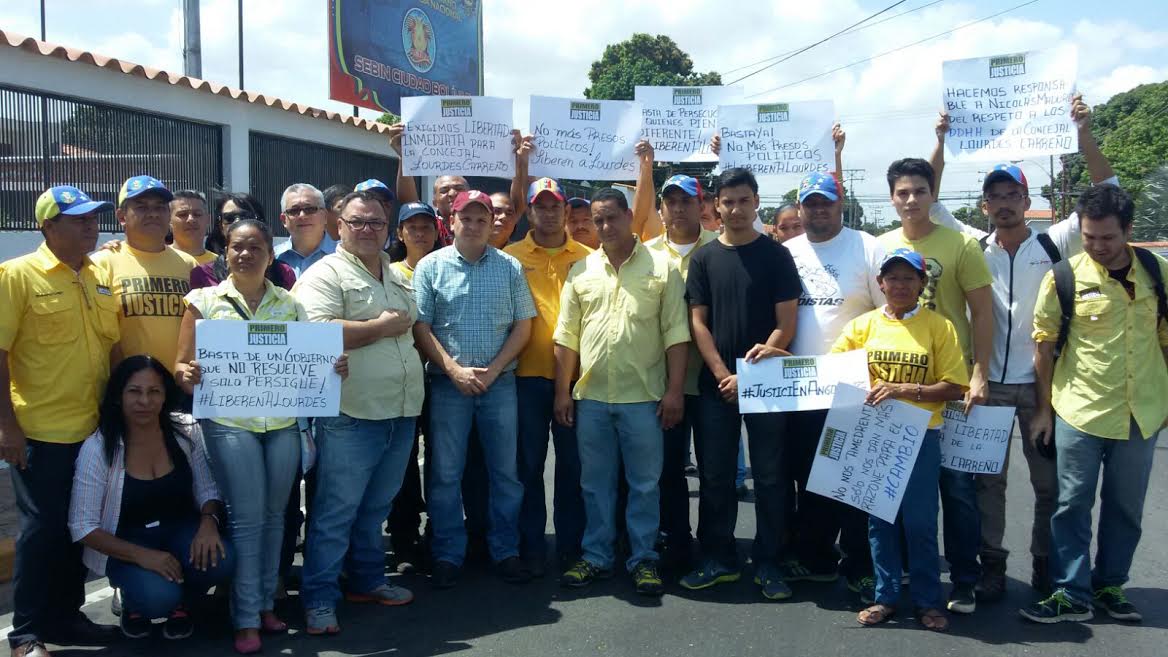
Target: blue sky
[886,105]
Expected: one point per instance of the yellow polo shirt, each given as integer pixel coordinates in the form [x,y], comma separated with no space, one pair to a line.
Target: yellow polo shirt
[1112,368]
[545,270]
[58,327]
[385,378]
[693,366]
[149,290]
[621,323]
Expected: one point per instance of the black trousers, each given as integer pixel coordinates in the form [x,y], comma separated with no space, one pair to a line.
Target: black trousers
[674,487]
[819,519]
[49,584]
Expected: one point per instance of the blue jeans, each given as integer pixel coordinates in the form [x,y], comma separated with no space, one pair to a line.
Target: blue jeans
[609,434]
[917,521]
[254,472]
[151,595]
[536,401]
[359,468]
[1127,467]
[962,525]
[495,414]
[740,475]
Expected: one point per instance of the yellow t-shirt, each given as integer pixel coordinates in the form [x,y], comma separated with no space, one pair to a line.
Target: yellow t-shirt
[956,265]
[404,269]
[919,349]
[149,290]
[205,257]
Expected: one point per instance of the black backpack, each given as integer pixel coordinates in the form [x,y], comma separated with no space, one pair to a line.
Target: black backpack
[1064,286]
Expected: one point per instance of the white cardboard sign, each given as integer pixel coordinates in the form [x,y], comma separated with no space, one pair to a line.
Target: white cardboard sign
[777,139]
[798,383]
[584,139]
[978,442]
[679,121]
[457,135]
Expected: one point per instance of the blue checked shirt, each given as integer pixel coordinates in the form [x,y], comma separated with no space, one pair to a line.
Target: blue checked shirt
[287,255]
[471,306]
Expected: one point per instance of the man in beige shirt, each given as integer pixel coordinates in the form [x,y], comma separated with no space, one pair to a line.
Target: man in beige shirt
[363,451]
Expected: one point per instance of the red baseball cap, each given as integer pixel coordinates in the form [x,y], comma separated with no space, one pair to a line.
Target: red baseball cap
[472,196]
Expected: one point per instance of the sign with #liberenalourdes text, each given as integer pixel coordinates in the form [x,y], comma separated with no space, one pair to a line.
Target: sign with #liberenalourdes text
[798,383]
[776,139]
[679,121]
[267,369]
[1011,107]
[978,442]
[584,139]
[465,136]
[866,453]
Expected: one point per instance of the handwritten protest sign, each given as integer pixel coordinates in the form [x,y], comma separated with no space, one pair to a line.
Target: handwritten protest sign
[866,453]
[584,139]
[778,138]
[679,121]
[978,442]
[464,135]
[262,369]
[1011,107]
[798,383]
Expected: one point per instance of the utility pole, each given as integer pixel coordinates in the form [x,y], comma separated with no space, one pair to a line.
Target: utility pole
[851,177]
[1053,195]
[192,40]
[240,21]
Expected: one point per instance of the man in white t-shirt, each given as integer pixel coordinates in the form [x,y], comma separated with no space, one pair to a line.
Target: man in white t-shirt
[838,268]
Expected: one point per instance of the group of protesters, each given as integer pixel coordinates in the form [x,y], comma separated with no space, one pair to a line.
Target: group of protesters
[611,330]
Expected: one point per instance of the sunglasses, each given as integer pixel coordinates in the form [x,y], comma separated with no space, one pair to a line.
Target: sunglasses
[232,217]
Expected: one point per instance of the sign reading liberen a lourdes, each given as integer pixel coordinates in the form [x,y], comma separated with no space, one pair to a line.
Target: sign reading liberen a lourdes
[267,369]
[798,383]
[584,139]
[679,121]
[1011,107]
[978,442]
[468,136]
[866,453]
[775,139]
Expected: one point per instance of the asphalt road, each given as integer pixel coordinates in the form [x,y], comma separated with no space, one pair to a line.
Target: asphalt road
[484,616]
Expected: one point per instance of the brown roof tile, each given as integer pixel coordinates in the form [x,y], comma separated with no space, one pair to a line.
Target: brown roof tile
[47,49]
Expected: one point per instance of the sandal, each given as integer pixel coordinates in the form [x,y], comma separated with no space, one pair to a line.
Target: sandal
[876,614]
[933,619]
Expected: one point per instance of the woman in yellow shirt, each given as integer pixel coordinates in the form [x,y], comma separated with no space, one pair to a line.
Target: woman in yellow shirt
[913,356]
[417,237]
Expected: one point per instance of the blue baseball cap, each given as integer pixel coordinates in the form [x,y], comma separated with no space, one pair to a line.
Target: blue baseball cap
[139,185]
[578,202]
[66,200]
[909,257]
[410,210]
[687,184]
[823,184]
[1005,173]
[376,186]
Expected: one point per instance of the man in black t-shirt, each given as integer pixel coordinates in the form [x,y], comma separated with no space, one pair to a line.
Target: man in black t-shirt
[742,291]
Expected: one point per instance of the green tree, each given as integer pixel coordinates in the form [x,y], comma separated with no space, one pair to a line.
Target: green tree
[792,196]
[389,118]
[1151,222]
[643,60]
[767,214]
[973,216]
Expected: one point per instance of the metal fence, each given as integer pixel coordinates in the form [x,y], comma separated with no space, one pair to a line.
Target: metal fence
[277,162]
[48,140]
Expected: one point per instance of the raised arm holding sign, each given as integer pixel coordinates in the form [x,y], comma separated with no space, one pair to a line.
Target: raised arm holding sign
[464,135]
[584,139]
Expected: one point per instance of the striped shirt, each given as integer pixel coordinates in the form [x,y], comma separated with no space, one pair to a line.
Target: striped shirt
[96,501]
[471,306]
[278,305]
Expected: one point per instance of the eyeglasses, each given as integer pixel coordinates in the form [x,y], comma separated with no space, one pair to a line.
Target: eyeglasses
[232,217]
[1012,197]
[302,209]
[363,224]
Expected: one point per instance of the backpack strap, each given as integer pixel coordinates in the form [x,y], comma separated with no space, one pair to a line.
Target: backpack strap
[1048,245]
[1151,264]
[1064,287]
[985,239]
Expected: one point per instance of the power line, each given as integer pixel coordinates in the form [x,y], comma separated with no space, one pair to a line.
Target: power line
[846,32]
[889,52]
[823,40]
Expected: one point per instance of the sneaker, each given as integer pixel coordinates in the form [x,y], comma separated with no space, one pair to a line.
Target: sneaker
[962,599]
[865,586]
[511,570]
[178,625]
[134,626]
[582,573]
[794,571]
[386,595]
[1040,575]
[1112,599]
[710,573]
[770,578]
[321,621]
[1057,608]
[647,579]
[444,575]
